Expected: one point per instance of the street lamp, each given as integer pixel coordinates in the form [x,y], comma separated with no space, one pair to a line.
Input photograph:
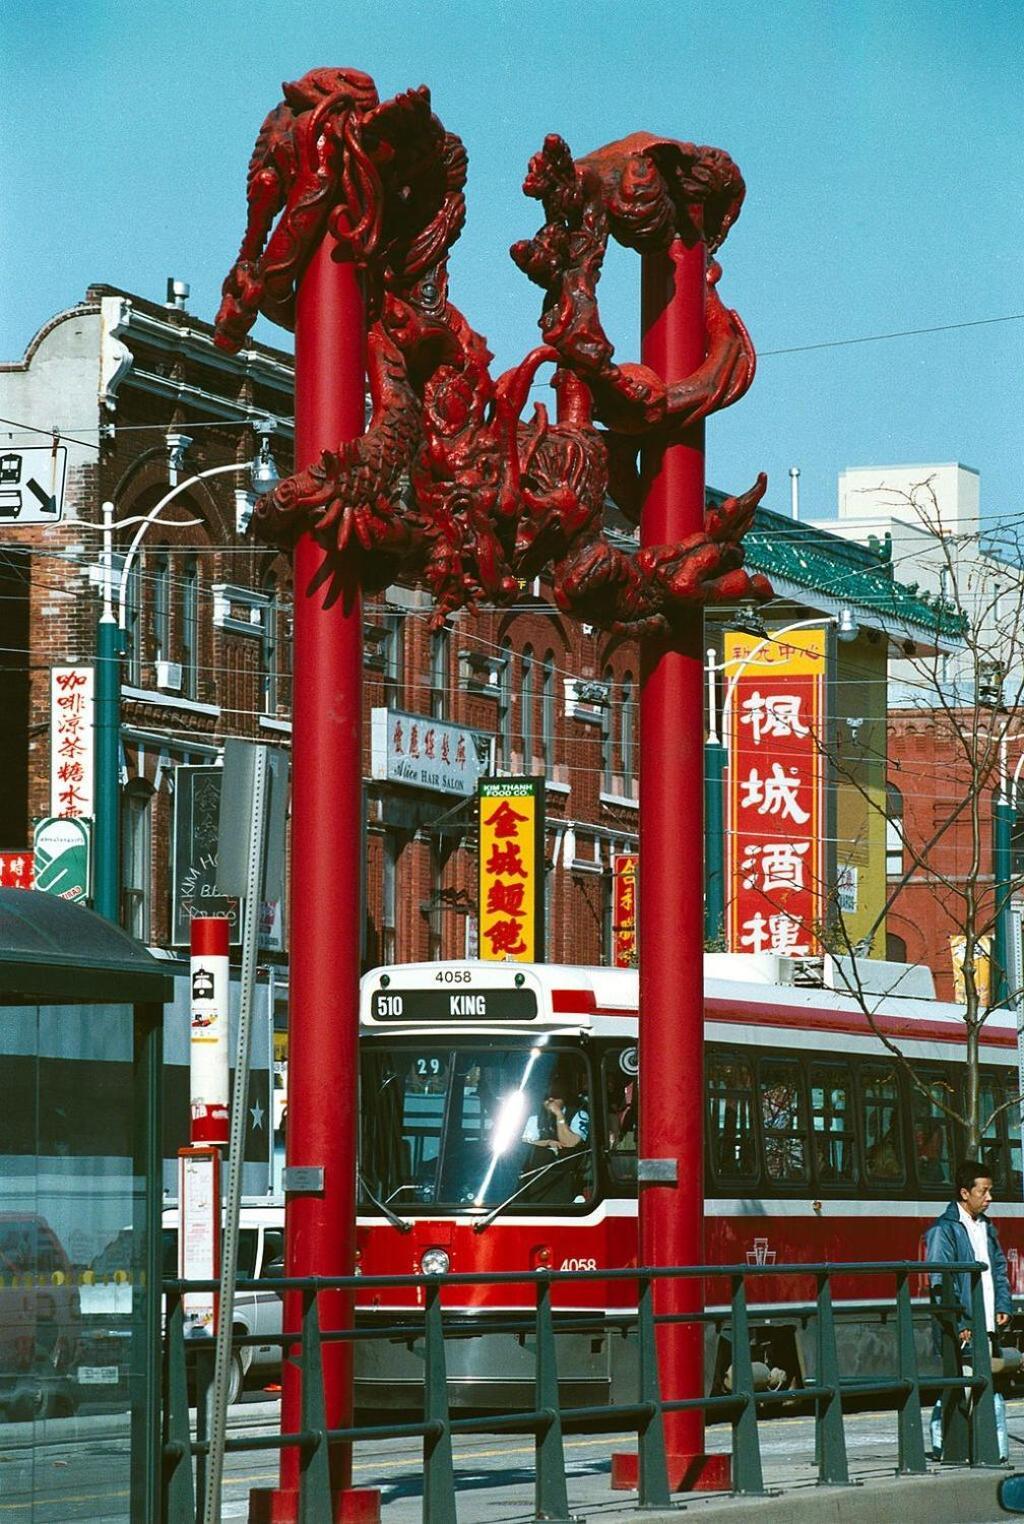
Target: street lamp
[110,642]
[716,756]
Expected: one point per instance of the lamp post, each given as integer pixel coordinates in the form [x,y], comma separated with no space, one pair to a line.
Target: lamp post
[716,753]
[110,644]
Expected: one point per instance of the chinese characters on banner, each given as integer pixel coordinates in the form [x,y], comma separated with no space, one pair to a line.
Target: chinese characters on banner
[71,742]
[16,869]
[624,882]
[511,869]
[777,825]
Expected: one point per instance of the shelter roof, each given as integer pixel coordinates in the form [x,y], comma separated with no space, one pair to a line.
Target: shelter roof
[54,952]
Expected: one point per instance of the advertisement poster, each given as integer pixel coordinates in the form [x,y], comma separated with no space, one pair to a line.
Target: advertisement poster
[776,793]
[511,916]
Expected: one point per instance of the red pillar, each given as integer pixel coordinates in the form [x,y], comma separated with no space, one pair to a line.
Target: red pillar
[671,910]
[326,844]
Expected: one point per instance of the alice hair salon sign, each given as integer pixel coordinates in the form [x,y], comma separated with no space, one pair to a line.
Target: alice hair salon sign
[425,753]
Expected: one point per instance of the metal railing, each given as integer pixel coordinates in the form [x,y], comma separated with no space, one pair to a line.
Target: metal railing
[968,1408]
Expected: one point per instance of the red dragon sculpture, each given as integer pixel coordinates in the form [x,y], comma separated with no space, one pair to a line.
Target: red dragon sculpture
[449,484]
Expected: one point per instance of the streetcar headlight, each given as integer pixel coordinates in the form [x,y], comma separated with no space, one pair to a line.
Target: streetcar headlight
[434,1262]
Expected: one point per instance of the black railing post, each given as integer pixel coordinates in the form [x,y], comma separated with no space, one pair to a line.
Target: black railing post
[179,1498]
[830,1437]
[438,1466]
[955,1410]
[551,1488]
[652,1463]
[747,1475]
[314,1458]
[984,1440]
[909,1431]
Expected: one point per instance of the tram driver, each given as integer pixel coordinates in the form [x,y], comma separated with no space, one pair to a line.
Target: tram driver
[555,1126]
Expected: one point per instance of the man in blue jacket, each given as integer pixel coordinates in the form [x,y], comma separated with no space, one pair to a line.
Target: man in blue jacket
[963,1233]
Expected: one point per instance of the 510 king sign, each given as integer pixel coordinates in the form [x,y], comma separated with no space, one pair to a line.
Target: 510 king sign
[777,825]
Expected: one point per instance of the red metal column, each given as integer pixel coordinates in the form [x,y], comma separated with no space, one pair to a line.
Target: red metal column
[671,908]
[326,843]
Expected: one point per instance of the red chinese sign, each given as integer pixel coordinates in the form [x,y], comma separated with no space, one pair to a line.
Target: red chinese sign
[71,742]
[624,882]
[511,869]
[16,868]
[777,828]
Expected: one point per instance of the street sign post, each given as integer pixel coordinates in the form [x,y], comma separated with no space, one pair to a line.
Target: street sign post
[32,484]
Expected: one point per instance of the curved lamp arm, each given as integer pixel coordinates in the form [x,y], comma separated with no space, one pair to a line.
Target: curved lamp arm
[151,518]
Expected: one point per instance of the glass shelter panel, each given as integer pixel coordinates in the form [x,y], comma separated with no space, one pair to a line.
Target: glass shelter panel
[70,1284]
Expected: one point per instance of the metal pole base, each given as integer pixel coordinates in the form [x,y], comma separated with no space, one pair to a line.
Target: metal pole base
[278,1505]
[686,1473]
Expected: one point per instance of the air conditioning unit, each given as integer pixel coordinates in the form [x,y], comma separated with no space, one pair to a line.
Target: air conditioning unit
[168,676]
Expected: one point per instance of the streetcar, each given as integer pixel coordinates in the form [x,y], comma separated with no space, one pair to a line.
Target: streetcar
[818,1147]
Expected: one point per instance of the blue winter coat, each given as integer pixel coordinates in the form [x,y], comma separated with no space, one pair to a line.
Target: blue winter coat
[948,1243]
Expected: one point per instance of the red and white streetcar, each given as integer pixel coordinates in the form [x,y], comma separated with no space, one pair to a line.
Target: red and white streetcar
[818,1148]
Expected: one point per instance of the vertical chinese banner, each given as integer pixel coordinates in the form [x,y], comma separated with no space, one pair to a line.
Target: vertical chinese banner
[777,816]
[511,869]
[624,881]
[71,742]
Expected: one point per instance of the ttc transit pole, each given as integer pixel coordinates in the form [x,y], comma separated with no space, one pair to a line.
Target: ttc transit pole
[326,842]
[671,1165]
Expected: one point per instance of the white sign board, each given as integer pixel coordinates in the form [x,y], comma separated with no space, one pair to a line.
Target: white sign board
[199,1234]
[72,735]
[425,753]
[32,484]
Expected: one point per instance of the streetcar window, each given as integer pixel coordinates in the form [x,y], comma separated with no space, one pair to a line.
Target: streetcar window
[783,1121]
[832,1125]
[731,1144]
[473,1126]
[933,1129]
[1000,1134]
[880,1125]
[621,1118]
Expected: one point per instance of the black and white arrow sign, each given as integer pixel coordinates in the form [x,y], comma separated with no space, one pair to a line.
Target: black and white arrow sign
[32,484]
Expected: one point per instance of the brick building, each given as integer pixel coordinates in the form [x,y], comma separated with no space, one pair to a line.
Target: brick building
[137,393]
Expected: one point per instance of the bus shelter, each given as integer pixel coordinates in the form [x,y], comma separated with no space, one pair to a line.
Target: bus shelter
[81,1019]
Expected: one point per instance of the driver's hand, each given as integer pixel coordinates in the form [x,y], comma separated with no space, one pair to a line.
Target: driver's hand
[1002,1318]
[965,1336]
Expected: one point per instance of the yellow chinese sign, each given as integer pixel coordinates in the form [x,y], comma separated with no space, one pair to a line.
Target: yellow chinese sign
[511,869]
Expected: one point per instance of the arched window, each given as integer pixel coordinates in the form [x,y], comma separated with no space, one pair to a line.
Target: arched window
[627,734]
[189,642]
[895,845]
[607,748]
[526,697]
[505,706]
[547,710]
[133,626]
[136,859]
[160,584]
[440,641]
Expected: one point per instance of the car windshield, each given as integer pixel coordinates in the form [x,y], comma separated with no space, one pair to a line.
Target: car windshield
[466,1126]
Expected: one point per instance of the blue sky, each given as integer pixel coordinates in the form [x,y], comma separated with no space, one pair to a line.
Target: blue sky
[881,145]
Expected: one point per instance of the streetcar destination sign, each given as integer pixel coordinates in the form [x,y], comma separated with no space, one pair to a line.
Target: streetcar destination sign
[454,1005]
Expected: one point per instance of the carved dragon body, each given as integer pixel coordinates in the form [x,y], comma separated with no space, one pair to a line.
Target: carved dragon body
[449,484]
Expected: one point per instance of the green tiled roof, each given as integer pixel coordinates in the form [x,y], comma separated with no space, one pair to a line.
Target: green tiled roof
[860,575]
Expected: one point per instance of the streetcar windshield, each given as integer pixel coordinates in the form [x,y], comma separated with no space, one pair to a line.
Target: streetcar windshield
[458,1127]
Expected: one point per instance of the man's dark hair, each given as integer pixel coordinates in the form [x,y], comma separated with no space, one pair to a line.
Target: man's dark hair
[967,1171]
